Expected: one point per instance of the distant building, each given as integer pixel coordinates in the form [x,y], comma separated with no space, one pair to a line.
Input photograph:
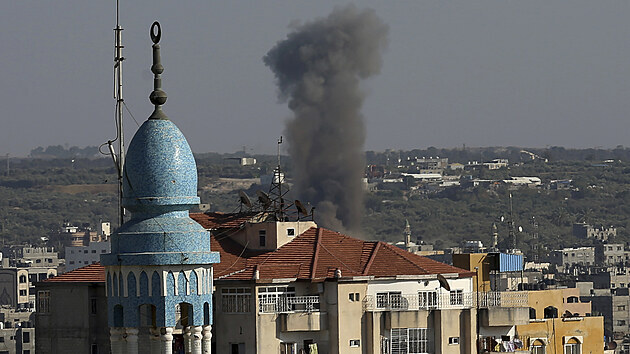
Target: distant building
[80,256]
[17,334]
[567,257]
[71,313]
[496,164]
[429,165]
[586,231]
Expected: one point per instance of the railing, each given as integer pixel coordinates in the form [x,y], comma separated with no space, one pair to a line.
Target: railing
[435,301]
[503,299]
[284,304]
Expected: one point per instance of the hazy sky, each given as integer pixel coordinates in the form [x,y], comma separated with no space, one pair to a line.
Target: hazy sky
[480,73]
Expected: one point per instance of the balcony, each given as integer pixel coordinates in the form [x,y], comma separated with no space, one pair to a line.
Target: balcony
[453,300]
[289,304]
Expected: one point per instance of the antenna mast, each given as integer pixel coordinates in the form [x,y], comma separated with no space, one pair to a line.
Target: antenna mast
[275,191]
[118,95]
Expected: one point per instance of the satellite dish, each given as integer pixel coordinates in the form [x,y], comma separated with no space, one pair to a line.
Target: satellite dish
[263,198]
[245,199]
[502,218]
[301,209]
[520,229]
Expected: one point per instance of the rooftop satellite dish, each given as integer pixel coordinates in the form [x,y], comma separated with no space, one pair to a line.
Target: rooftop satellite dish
[502,218]
[245,199]
[263,198]
[520,229]
[300,207]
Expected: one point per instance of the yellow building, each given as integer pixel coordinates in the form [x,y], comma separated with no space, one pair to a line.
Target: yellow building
[559,323]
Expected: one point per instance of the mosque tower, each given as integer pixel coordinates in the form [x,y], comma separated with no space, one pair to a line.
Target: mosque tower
[159,271]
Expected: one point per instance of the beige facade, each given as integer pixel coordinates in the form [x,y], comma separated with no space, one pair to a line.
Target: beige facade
[345,315]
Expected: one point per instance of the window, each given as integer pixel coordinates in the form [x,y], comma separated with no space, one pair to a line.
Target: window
[85,251]
[93,251]
[409,341]
[38,261]
[94,349]
[457,297]
[621,308]
[572,346]
[621,322]
[22,278]
[453,340]
[355,343]
[93,306]
[23,292]
[354,297]
[538,347]
[291,232]
[427,299]
[239,348]
[392,299]
[49,260]
[71,262]
[1,339]
[288,348]
[236,300]
[103,251]
[262,237]
[532,313]
[43,301]
[273,298]
[26,337]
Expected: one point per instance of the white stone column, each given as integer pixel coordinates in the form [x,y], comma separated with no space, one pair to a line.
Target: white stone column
[166,340]
[116,340]
[195,337]
[132,340]
[154,340]
[206,342]
[187,339]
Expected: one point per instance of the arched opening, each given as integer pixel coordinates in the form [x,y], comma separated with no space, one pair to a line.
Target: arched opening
[22,279]
[156,284]
[144,284]
[551,312]
[532,313]
[572,346]
[572,300]
[182,284]
[148,315]
[131,285]
[538,347]
[193,283]
[206,314]
[119,316]
[183,315]
[109,285]
[170,284]
[115,285]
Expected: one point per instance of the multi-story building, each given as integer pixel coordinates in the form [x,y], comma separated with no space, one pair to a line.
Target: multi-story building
[586,231]
[610,254]
[17,334]
[560,323]
[566,258]
[80,256]
[71,314]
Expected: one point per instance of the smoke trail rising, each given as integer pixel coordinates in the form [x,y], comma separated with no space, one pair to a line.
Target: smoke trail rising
[318,68]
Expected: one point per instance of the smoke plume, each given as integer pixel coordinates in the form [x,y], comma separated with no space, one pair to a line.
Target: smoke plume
[318,68]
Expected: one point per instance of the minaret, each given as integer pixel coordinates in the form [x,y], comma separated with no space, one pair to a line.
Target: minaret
[159,272]
[407,233]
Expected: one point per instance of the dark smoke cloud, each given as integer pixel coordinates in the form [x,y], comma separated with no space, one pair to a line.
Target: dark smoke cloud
[318,68]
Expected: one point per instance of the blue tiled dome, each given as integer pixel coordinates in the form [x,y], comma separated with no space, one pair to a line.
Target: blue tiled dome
[160,173]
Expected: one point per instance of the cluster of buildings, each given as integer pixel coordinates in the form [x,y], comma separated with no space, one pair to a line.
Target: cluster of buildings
[271,281]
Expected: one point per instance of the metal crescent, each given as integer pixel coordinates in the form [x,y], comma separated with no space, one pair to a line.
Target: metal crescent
[155,37]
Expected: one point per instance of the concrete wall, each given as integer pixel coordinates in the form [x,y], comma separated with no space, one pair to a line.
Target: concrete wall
[589,329]
[74,323]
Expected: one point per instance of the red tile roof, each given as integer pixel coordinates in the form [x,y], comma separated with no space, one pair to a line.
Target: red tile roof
[215,220]
[314,255]
[318,252]
[92,273]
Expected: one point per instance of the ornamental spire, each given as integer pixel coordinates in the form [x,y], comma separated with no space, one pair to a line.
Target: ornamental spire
[157,96]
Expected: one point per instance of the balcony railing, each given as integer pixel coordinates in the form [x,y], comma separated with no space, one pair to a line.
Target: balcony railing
[435,301]
[283,304]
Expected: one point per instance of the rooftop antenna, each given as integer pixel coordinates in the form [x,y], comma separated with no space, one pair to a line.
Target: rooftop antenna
[119,159]
[511,222]
[276,193]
